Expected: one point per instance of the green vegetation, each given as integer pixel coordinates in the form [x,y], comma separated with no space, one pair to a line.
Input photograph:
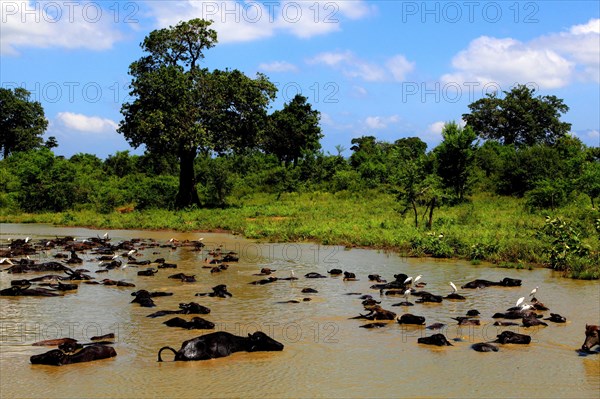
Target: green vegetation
[512,190]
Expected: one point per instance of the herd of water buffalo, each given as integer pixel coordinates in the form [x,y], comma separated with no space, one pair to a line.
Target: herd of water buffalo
[67,274]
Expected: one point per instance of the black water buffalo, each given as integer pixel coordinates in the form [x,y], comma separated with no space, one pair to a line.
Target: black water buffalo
[221,344]
[509,337]
[349,276]
[196,323]
[431,298]
[505,282]
[264,281]
[144,298]
[435,339]
[148,272]
[376,277]
[556,318]
[436,326]
[515,314]
[24,290]
[455,297]
[219,291]
[309,291]
[473,312]
[314,275]
[376,312]
[505,323]
[531,321]
[466,321]
[184,308]
[335,272]
[373,325]
[408,318]
[58,357]
[592,337]
[184,277]
[484,347]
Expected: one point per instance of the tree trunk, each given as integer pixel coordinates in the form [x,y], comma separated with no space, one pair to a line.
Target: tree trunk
[416,214]
[187,194]
[431,207]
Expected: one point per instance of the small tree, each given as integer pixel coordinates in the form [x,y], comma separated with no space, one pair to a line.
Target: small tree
[22,122]
[294,131]
[455,158]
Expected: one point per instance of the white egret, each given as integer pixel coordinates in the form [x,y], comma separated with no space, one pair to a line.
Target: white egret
[26,240]
[520,301]
[417,278]
[454,289]
[533,291]
[408,280]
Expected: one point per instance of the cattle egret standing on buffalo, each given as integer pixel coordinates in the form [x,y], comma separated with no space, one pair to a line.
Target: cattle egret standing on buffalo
[533,291]
[454,289]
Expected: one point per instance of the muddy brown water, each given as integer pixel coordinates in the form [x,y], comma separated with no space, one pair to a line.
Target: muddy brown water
[326,354]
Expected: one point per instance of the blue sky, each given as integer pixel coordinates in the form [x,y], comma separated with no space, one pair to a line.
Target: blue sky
[390,69]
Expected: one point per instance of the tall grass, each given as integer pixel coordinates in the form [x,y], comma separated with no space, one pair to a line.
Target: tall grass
[487,228]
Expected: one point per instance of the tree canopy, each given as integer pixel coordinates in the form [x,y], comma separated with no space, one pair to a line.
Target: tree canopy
[181,108]
[294,130]
[22,122]
[519,118]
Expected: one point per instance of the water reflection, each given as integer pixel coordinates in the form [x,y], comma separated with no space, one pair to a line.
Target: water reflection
[325,355]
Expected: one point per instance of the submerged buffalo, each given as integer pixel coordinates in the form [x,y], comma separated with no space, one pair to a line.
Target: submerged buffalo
[505,282]
[221,344]
[435,339]
[592,337]
[509,337]
[74,354]
[196,323]
[484,347]
[408,318]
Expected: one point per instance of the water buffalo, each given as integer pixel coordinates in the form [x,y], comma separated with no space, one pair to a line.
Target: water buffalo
[505,282]
[24,290]
[484,347]
[408,318]
[376,277]
[531,321]
[309,291]
[148,272]
[58,357]
[335,272]
[196,323]
[473,312]
[221,344]
[466,321]
[219,291]
[436,326]
[314,275]
[556,318]
[373,325]
[435,339]
[264,281]
[349,276]
[376,312]
[592,337]
[509,337]
[184,308]
[429,298]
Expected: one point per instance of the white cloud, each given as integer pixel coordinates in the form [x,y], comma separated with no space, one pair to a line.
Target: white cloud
[56,24]
[549,61]
[399,66]
[241,21]
[593,26]
[395,69]
[278,66]
[380,122]
[506,61]
[86,124]
[436,128]
[359,91]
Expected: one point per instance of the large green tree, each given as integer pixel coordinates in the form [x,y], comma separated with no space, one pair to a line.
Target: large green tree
[520,118]
[455,158]
[180,108]
[293,131]
[22,121]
